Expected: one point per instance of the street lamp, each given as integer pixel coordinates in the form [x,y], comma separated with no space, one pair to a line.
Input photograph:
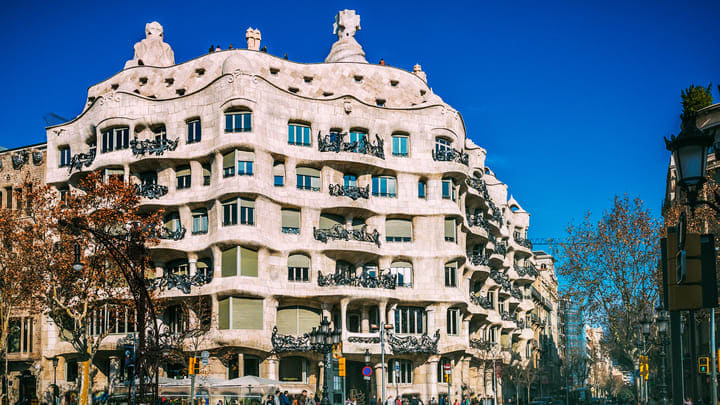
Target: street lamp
[55,387]
[661,320]
[77,264]
[322,340]
[689,150]
[367,378]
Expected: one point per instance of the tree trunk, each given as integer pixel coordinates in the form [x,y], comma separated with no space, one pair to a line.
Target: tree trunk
[85,383]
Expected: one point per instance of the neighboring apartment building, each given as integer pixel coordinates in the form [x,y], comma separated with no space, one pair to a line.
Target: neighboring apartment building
[544,319]
[26,339]
[699,331]
[343,190]
[572,343]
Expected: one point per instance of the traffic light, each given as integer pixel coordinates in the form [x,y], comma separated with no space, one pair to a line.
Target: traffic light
[129,355]
[193,366]
[703,365]
[644,366]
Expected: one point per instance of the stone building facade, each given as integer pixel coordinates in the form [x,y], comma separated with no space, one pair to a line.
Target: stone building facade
[544,318]
[295,192]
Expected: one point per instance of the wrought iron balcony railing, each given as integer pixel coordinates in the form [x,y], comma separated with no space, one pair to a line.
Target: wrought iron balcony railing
[478,259]
[177,234]
[482,301]
[516,293]
[339,232]
[334,143]
[481,344]
[151,191]
[478,220]
[501,248]
[422,344]
[500,278]
[349,191]
[507,316]
[526,270]
[383,280]
[477,183]
[290,343]
[78,160]
[155,147]
[523,242]
[182,282]
[291,230]
[450,155]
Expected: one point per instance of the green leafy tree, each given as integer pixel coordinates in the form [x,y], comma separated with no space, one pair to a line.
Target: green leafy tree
[694,98]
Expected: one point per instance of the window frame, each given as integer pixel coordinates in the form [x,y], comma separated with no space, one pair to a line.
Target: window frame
[204,219]
[65,156]
[305,136]
[194,130]
[452,322]
[231,117]
[403,141]
[377,186]
[450,272]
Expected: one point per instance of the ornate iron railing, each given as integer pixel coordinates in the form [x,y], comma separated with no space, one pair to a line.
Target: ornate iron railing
[364,339]
[289,343]
[507,316]
[520,323]
[501,248]
[339,232]
[78,160]
[155,147]
[334,143]
[527,270]
[350,191]
[151,191]
[476,183]
[515,293]
[182,282]
[291,230]
[172,235]
[481,344]
[478,259]
[383,280]
[422,344]
[478,220]
[500,278]
[482,301]
[523,242]
[450,155]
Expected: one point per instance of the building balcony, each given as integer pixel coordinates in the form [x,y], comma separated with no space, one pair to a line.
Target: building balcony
[479,259]
[177,234]
[481,301]
[411,344]
[156,147]
[523,242]
[339,232]
[353,192]
[364,280]
[335,143]
[450,155]
[151,191]
[481,344]
[78,160]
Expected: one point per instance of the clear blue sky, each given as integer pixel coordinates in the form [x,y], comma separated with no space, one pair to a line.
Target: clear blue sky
[570,99]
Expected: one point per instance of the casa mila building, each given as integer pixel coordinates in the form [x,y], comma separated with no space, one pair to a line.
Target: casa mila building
[296,192]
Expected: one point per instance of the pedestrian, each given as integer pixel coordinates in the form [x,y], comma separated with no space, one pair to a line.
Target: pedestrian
[295,400]
[456,402]
[432,401]
[269,401]
[414,400]
[285,399]
[390,401]
[373,400]
[276,399]
[309,400]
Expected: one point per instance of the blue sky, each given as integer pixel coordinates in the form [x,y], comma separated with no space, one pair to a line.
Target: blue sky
[571,99]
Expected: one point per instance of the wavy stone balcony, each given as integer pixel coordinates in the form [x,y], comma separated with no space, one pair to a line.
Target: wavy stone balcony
[526,272]
[477,220]
[523,242]
[339,232]
[353,192]
[383,280]
[334,143]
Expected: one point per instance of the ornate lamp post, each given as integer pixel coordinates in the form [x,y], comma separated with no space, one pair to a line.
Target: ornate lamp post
[322,340]
[645,329]
[689,150]
[55,387]
[661,320]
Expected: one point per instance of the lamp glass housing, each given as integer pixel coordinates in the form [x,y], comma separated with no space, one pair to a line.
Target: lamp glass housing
[661,322]
[645,323]
[691,160]
[367,356]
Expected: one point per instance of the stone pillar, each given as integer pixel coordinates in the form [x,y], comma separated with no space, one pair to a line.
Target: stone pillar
[215,311]
[489,383]
[241,364]
[343,317]
[382,309]
[431,314]
[272,361]
[465,373]
[192,263]
[391,315]
[159,268]
[432,377]
[217,171]
[126,173]
[365,325]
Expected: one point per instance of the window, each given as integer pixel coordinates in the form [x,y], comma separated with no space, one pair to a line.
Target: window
[448,189]
[200,221]
[403,273]
[239,121]
[112,319]
[178,267]
[422,186]
[204,267]
[290,220]
[239,261]
[194,131]
[240,313]
[400,372]
[245,168]
[118,174]
[491,298]
[172,222]
[441,373]
[350,180]
[400,145]
[384,186]
[296,320]
[308,178]
[71,370]
[175,319]
[160,133]
[398,230]
[183,176]
[451,274]
[20,335]
[251,365]
[353,321]
[230,211]
[359,137]
[298,134]
[328,221]
[64,156]
[410,320]
[293,369]
[233,368]
[450,230]
[492,335]
[298,268]
[207,173]
[278,174]
[441,145]
[115,139]
[453,321]
[229,164]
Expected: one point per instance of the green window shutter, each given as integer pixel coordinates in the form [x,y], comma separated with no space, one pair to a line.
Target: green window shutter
[290,218]
[329,220]
[450,228]
[247,313]
[224,313]
[229,160]
[298,261]
[229,262]
[308,171]
[287,321]
[307,319]
[401,228]
[248,262]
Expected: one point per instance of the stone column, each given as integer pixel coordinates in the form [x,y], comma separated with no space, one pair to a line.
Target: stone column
[431,321]
[272,361]
[159,268]
[432,377]
[241,364]
[217,170]
[382,308]
[343,317]
[465,372]
[365,325]
[378,381]
[215,311]
[192,263]
[489,383]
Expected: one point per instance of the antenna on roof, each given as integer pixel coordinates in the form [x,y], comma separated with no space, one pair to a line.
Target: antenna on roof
[54,119]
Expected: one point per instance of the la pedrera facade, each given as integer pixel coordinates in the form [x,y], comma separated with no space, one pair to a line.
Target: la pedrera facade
[293,192]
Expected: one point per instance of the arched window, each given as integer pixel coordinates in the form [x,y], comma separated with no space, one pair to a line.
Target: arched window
[194,131]
[442,145]
[360,137]
[298,268]
[451,274]
[400,144]
[296,319]
[404,273]
[115,139]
